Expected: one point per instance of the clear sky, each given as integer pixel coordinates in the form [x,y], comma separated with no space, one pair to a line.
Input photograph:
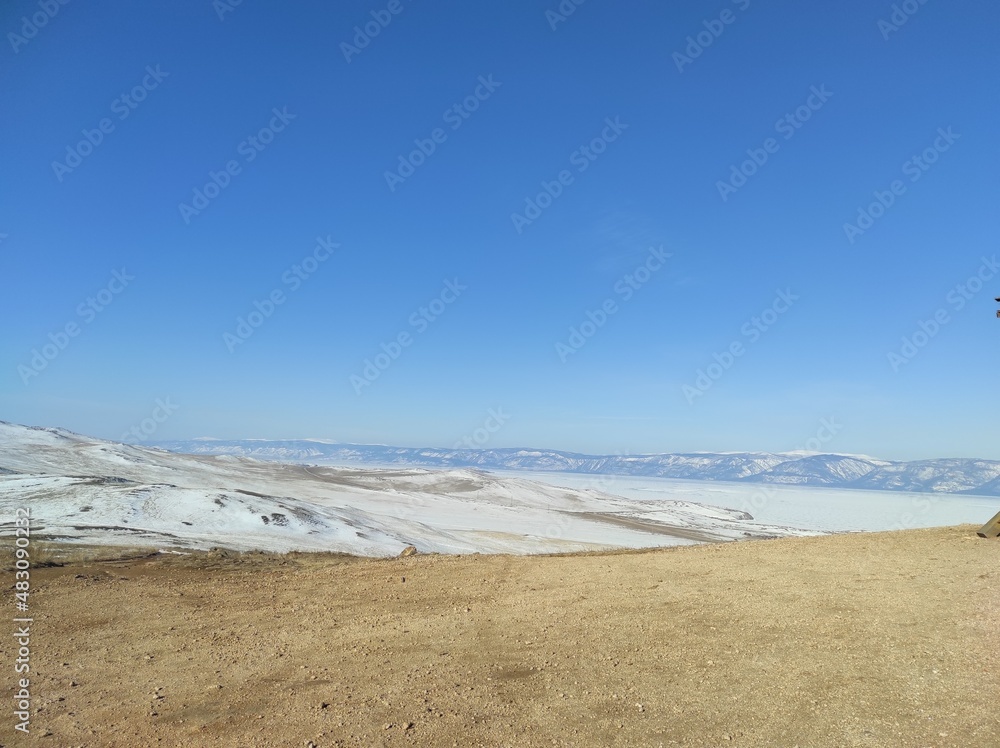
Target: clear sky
[741,208]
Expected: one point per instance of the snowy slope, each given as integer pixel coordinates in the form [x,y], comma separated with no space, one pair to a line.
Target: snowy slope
[818,470]
[83,489]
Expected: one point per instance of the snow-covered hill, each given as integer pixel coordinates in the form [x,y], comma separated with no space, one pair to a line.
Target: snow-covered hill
[843,471]
[82,489]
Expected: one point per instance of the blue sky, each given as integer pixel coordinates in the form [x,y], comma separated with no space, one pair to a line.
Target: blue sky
[758,316]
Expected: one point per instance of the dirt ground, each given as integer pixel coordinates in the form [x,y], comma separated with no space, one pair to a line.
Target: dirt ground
[888,639]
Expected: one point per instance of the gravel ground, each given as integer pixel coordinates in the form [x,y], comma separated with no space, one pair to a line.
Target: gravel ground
[886,639]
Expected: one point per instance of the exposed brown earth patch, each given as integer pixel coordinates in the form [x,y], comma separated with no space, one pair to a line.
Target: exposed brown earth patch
[884,639]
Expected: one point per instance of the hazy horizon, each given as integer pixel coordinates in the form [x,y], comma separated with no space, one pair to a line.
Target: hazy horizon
[154,441]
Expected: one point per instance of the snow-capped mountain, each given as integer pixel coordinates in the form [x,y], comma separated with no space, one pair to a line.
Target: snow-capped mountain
[88,490]
[843,471]
[818,470]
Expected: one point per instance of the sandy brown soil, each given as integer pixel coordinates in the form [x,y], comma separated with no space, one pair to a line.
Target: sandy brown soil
[853,640]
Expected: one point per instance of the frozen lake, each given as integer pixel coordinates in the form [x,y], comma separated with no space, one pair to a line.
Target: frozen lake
[806,507]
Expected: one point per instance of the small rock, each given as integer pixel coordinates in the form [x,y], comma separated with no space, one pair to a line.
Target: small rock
[408,551]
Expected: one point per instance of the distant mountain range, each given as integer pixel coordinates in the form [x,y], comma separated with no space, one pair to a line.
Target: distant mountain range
[951,475]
